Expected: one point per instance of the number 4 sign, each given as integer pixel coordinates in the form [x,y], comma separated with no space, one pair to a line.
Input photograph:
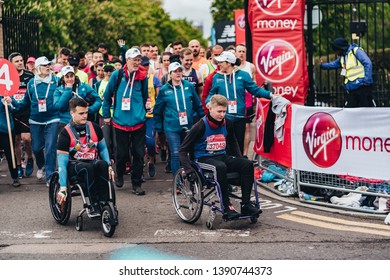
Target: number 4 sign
[9,78]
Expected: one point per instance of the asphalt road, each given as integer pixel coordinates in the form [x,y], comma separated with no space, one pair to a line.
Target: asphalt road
[149,228]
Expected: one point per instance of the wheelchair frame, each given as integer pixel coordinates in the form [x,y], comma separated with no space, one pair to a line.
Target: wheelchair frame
[188,199]
[109,212]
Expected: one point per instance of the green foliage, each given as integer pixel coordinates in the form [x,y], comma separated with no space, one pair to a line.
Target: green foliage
[224,9]
[82,25]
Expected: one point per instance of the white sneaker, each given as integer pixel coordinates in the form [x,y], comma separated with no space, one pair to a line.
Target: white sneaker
[41,173]
[387,220]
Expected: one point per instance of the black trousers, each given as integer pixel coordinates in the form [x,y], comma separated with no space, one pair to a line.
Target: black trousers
[5,145]
[135,141]
[225,164]
[94,174]
[360,97]
[239,130]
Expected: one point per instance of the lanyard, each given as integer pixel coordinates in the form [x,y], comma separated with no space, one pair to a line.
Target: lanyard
[234,86]
[131,87]
[47,91]
[177,102]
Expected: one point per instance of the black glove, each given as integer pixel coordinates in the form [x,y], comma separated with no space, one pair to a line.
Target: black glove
[191,177]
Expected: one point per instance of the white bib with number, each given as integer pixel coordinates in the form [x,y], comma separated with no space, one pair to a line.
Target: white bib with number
[125,104]
[183,118]
[42,105]
[232,106]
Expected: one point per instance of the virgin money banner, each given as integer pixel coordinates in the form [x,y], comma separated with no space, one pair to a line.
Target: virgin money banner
[239,21]
[280,151]
[279,47]
[341,141]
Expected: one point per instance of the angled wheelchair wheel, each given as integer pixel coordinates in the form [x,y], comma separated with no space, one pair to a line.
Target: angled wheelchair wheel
[61,213]
[187,198]
[108,221]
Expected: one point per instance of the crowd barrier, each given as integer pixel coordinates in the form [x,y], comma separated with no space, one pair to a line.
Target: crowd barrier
[290,169]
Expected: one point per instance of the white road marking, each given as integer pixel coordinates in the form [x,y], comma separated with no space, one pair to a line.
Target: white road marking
[192,233]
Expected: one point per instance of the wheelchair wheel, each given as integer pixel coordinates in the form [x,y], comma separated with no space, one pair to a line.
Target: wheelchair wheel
[60,214]
[108,221]
[187,198]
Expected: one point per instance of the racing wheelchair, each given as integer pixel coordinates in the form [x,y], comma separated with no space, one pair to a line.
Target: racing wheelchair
[61,213]
[189,198]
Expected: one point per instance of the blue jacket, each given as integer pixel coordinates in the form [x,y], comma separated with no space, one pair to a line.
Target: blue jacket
[30,99]
[243,83]
[62,95]
[137,112]
[364,60]
[3,117]
[165,111]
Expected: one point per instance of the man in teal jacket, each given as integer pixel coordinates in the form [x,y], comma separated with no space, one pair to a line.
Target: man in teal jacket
[128,90]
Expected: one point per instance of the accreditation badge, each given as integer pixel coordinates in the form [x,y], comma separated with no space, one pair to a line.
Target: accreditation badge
[232,106]
[42,106]
[125,104]
[183,118]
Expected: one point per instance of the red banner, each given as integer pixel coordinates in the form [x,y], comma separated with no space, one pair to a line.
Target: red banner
[279,47]
[239,21]
[280,152]
[9,78]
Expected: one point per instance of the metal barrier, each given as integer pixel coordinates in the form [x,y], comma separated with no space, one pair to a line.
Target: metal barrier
[324,186]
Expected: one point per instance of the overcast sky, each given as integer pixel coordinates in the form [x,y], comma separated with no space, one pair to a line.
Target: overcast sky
[197,11]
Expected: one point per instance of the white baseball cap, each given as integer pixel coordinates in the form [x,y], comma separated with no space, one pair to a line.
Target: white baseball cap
[42,61]
[133,53]
[67,69]
[173,66]
[226,56]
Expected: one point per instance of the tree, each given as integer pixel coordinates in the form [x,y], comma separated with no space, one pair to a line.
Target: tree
[82,25]
[224,9]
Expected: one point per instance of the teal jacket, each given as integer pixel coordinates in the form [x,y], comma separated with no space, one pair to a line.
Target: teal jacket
[3,117]
[139,96]
[165,112]
[30,99]
[62,95]
[243,82]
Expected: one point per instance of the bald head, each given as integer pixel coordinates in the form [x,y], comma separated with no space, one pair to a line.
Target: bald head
[194,45]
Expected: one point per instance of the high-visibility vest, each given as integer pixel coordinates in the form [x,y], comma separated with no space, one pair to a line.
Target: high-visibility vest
[354,68]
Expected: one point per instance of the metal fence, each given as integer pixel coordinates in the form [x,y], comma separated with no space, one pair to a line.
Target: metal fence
[365,22]
[20,32]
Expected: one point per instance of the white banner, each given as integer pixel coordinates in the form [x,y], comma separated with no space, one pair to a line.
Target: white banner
[353,141]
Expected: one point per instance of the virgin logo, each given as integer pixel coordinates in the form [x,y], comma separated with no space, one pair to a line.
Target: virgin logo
[277,60]
[275,7]
[241,21]
[321,139]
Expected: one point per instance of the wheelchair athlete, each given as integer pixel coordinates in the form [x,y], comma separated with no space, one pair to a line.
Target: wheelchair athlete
[78,147]
[208,140]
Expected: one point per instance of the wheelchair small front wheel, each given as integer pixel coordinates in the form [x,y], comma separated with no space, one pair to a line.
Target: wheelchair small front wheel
[61,213]
[187,197]
[79,223]
[253,220]
[108,221]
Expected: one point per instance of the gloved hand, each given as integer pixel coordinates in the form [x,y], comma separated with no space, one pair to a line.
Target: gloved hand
[191,176]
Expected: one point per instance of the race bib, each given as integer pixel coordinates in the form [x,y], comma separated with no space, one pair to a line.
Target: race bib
[232,106]
[215,143]
[84,156]
[125,104]
[183,118]
[42,106]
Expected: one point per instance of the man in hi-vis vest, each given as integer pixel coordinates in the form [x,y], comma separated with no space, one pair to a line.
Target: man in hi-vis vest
[356,68]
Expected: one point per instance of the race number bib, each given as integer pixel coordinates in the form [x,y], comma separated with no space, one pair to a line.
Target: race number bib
[42,106]
[215,143]
[232,106]
[125,104]
[183,118]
